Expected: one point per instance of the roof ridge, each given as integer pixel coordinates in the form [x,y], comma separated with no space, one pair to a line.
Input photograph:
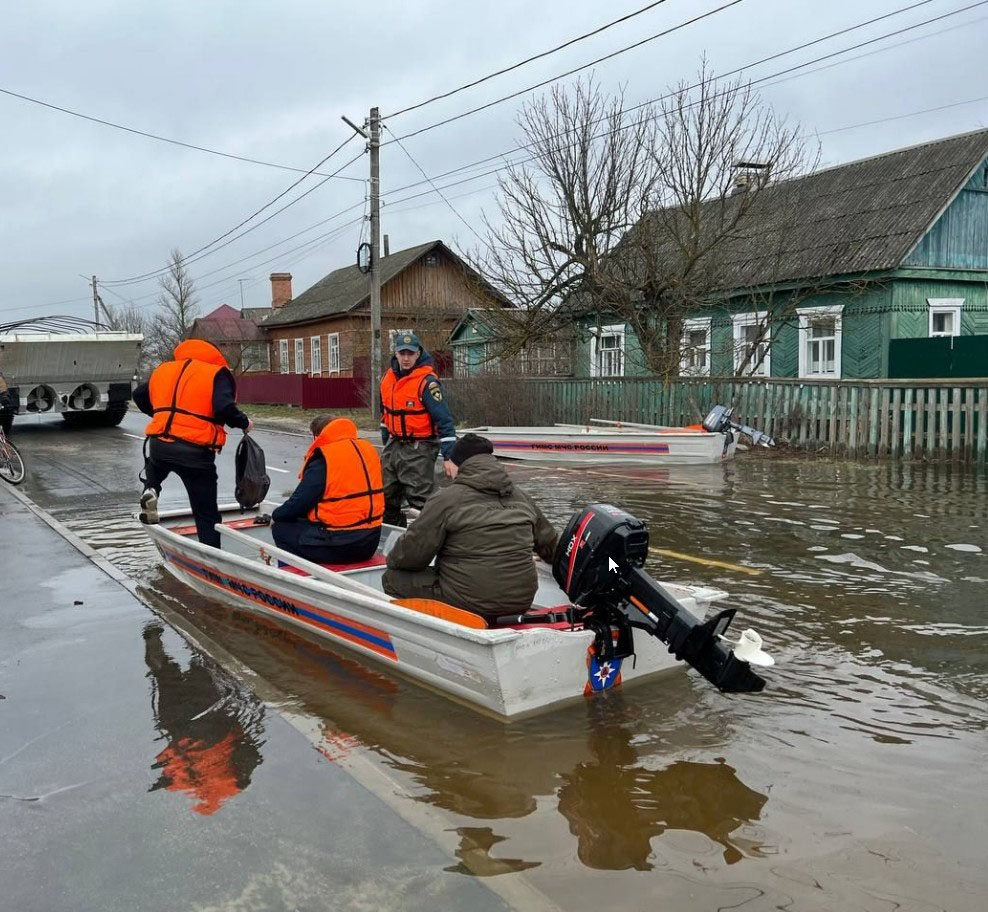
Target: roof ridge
[910,148]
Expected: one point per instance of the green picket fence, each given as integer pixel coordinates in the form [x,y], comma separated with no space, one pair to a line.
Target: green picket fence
[857,418]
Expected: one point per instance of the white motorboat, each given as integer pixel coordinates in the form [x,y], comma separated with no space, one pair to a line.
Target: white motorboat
[557,652]
[602,441]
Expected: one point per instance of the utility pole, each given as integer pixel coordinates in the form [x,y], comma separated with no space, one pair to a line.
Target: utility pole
[375,273]
[95,301]
[374,146]
[241,281]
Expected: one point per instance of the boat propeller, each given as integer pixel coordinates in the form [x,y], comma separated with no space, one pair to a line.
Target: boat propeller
[598,565]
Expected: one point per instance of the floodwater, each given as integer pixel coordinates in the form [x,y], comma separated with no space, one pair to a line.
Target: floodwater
[857,780]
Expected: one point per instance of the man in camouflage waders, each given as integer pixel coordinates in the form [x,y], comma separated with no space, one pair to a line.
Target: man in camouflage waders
[416,426]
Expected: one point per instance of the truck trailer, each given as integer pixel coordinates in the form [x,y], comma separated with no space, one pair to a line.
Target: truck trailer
[69,367]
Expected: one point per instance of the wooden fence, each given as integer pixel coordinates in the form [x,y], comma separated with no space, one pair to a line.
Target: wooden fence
[904,419]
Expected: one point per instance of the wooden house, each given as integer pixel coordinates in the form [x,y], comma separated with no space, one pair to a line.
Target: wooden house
[325,331]
[882,264]
[238,335]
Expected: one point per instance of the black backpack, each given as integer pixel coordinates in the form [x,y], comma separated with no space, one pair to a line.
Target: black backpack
[252,478]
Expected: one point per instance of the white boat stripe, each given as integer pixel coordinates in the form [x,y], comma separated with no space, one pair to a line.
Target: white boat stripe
[273,469]
[133,436]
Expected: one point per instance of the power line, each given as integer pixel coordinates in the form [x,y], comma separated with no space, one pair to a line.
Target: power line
[155,136]
[871,123]
[737,70]
[201,252]
[313,244]
[527,60]
[452,209]
[584,66]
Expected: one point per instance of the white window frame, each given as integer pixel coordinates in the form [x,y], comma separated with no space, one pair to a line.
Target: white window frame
[691,326]
[741,321]
[334,353]
[613,329]
[805,315]
[315,352]
[283,362]
[300,356]
[950,306]
[247,364]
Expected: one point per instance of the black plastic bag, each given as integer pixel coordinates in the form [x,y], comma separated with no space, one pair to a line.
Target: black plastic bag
[252,477]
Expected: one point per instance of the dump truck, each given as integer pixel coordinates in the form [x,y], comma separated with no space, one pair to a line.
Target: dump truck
[69,367]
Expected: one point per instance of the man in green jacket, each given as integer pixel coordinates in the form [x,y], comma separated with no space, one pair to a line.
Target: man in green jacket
[482,531]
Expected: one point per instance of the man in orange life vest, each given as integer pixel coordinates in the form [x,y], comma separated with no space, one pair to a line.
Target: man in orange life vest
[334,515]
[189,400]
[416,426]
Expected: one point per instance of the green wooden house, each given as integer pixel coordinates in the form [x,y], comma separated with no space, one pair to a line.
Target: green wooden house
[876,252]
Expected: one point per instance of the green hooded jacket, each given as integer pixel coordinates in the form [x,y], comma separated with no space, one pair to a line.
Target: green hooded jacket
[482,531]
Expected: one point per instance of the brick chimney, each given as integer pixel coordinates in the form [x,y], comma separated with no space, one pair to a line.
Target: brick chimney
[281,289]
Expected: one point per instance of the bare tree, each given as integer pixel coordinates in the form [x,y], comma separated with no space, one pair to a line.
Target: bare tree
[130,318]
[590,179]
[644,216]
[177,310]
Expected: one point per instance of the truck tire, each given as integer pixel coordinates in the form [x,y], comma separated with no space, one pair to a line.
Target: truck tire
[111,417]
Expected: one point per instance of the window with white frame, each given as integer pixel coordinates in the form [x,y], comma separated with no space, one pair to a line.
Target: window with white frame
[316,346]
[695,358]
[286,368]
[255,356]
[334,353]
[461,361]
[945,316]
[752,344]
[300,356]
[820,330]
[607,351]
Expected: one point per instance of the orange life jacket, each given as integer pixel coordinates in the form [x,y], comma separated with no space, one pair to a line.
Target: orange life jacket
[181,393]
[401,399]
[354,493]
[206,772]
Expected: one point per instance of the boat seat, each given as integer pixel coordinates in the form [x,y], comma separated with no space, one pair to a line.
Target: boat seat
[378,560]
[243,523]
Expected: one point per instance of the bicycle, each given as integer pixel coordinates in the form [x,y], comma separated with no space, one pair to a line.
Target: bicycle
[11,462]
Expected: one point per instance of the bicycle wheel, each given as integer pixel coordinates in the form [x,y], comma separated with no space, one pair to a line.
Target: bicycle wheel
[11,464]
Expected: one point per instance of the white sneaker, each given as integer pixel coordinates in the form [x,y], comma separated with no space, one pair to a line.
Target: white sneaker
[149,508]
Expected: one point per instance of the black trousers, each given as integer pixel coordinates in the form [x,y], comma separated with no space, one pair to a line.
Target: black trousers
[200,484]
[354,548]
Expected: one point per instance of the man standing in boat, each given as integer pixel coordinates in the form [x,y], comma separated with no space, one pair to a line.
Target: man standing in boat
[416,426]
[334,515]
[189,400]
[481,530]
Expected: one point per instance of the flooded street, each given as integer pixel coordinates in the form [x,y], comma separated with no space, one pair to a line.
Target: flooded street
[855,781]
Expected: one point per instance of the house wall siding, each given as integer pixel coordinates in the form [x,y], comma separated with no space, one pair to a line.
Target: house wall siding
[427,298]
[959,238]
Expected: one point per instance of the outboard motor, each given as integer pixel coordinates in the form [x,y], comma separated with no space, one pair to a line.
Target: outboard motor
[719,420]
[598,564]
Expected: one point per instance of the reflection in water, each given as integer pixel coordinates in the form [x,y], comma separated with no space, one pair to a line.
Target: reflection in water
[616,787]
[615,805]
[474,854]
[212,727]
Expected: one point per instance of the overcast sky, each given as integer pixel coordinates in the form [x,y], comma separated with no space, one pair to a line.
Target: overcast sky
[270,80]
